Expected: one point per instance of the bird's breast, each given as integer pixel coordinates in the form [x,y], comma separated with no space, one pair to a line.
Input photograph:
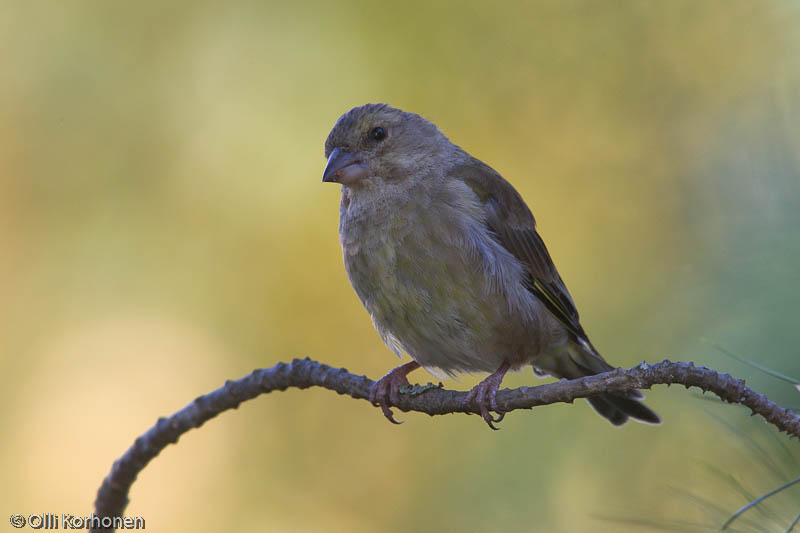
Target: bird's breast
[428,291]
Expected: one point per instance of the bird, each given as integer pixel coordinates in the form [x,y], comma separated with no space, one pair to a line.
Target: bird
[445,256]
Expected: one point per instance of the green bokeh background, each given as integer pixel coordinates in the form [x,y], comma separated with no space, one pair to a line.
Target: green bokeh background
[164,227]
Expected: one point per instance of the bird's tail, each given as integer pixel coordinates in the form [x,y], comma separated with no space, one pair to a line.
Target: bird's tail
[577,361]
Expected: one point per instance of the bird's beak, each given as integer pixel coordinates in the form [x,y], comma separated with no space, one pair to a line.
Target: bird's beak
[344,167]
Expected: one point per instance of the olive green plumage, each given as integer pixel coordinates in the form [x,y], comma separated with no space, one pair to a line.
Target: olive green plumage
[444,254]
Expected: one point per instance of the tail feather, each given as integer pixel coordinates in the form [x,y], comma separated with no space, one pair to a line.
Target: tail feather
[580,361]
[605,407]
[618,409]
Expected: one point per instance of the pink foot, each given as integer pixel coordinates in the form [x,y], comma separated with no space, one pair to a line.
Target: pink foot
[387,387]
[485,395]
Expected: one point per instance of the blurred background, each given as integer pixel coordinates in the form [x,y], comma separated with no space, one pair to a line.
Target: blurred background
[164,228]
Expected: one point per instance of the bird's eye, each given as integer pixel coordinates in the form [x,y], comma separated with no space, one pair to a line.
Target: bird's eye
[377,134]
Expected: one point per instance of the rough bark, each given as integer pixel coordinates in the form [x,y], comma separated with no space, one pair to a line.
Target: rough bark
[112,497]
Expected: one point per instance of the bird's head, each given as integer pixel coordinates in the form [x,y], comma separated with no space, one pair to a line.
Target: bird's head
[376,142]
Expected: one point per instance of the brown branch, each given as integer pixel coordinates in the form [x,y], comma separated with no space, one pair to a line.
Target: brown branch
[112,498]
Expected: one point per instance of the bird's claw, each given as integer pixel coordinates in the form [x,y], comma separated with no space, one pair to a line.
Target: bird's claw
[484,394]
[388,388]
[478,394]
[389,414]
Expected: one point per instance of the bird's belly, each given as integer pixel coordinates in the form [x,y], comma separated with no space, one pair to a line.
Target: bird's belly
[435,301]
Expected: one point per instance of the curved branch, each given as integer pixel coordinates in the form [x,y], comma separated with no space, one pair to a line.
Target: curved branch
[304,373]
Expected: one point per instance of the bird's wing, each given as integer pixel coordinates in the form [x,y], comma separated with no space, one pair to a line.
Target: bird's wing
[513,223]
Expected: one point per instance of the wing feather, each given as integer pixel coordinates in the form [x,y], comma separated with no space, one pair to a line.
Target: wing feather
[512,222]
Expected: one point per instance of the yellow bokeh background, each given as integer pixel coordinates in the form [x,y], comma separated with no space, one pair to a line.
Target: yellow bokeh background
[164,228]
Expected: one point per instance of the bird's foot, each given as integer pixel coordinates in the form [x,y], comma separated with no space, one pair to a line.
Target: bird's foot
[484,394]
[387,388]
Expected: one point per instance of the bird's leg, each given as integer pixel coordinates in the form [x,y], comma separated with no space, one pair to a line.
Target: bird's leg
[485,395]
[388,385]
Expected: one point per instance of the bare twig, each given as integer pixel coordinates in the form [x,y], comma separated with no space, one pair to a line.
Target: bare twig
[304,373]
